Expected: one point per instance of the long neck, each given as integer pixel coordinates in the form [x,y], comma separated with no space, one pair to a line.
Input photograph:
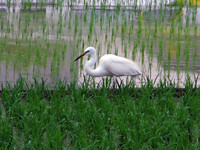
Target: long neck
[90,65]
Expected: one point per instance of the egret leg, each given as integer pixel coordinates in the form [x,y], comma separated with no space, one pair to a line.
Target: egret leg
[114,84]
[118,83]
[114,80]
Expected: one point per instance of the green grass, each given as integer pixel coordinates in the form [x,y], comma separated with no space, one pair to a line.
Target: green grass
[39,116]
[71,117]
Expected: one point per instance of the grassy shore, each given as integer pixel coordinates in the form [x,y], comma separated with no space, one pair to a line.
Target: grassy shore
[71,117]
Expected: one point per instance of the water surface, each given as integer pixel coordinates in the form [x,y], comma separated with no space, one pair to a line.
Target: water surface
[43,42]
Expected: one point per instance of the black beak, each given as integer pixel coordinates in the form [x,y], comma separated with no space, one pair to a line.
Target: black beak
[81,56]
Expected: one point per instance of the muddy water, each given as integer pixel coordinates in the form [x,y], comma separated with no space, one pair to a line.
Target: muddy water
[42,43]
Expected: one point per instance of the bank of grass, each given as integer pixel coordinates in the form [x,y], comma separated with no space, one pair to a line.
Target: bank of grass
[71,117]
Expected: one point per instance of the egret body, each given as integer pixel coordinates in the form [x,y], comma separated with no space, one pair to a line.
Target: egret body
[109,65]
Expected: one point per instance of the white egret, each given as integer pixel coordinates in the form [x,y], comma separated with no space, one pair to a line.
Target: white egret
[109,65]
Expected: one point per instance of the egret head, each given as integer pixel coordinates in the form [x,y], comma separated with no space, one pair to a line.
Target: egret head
[88,51]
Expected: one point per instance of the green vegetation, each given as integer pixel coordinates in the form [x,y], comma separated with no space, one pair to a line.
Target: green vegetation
[49,41]
[42,42]
[69,117]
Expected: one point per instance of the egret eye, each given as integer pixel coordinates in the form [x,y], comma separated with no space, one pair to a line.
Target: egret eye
[86,51]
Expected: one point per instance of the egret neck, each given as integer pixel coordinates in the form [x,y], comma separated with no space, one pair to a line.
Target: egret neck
[89,66]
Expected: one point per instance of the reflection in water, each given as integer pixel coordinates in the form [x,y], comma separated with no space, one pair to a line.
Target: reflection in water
[44,43]
[109,3]
[191,15]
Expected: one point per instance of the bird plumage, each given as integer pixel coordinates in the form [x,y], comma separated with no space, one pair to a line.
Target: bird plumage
[109,65]
[119,66]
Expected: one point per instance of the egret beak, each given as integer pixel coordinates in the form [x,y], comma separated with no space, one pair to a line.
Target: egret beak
[81,56]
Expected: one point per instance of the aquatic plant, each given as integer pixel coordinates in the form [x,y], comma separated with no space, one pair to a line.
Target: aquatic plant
[142,51]
[178,55]
[160,53]
[150,57]
[120,30]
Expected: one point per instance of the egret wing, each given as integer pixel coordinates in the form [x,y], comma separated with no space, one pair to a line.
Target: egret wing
[119,66]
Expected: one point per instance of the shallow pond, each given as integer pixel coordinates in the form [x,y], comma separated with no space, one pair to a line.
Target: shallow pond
[43,42]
